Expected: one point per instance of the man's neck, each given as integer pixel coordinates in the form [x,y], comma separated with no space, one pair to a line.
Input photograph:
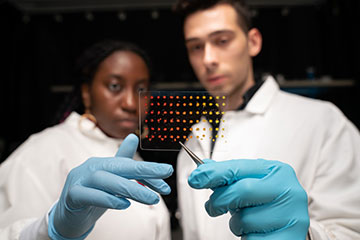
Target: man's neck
[236,98]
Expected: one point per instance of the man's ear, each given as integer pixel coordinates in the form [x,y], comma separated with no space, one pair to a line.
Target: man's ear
[85,94]
[254,42]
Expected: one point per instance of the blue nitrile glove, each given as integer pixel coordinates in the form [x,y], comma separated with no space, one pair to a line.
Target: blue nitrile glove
[102,183]
[265,199]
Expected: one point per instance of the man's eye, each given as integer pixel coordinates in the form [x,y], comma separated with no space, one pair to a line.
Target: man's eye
[222,41]
[195,48]
[114,87]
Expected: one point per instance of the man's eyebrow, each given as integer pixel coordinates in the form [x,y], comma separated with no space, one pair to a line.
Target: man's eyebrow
[219,32]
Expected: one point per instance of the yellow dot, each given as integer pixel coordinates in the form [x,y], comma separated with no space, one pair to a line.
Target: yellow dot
[197,104]
[204,129]
[197,121]
[197,129]
[204,120]
[203,135]
[184,137]
[210,129]
[204,97]
[210,104]
[191,97]
[217,121]
[223,129]
[217,113]
[197,112]
[191,121]
[197,137]
[223,120]
[210,113]
[197,97]
[213,140]
[210,97]
[217,97]
[222,136]
[190,129]
[184,129]
[204,104]
[216,129]
[190,112]
[184,104]
[216,104]
[223,97]
[222,113]
[204,112]
[201,139]
[216,136]
[210,121]
[224,104]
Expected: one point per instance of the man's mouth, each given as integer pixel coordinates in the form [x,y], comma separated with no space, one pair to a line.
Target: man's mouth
[215,80]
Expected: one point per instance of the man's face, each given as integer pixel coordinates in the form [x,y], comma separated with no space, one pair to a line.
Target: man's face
[218,50]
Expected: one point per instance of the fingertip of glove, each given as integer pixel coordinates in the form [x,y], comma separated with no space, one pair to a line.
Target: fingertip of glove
[165,189]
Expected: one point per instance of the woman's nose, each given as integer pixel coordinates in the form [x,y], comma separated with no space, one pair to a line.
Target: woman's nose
[129,100]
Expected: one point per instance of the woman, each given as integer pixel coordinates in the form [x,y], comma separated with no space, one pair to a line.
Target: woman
[34,201]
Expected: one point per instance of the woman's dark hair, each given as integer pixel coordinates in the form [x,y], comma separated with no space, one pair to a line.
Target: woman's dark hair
[184,8]
[86,67]
[89,61]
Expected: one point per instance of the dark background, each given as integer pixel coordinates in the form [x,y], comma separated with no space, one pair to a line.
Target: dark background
[38,51]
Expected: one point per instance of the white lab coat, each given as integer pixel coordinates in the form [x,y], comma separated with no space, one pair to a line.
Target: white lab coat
[312,136]
[31,180]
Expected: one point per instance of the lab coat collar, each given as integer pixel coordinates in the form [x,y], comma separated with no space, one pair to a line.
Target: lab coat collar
[89,128]
[262,99]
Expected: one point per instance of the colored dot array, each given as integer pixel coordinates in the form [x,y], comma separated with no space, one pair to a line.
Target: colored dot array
[170,117]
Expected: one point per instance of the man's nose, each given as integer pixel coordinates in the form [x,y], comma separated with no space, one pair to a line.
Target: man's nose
[210,57]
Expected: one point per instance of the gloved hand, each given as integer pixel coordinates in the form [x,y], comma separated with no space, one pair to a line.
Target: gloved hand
[102,183]
[265,199]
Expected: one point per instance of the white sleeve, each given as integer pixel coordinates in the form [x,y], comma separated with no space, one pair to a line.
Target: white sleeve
[334,198]
[13,231]
[24,197]
[37,230]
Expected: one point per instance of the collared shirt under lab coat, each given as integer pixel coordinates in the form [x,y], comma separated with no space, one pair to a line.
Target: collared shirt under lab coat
[312,136]
[31,180]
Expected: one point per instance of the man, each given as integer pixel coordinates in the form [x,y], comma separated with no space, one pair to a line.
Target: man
[308,186]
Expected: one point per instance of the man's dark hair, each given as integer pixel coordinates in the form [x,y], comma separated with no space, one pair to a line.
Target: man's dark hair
[186,7]
[89,61]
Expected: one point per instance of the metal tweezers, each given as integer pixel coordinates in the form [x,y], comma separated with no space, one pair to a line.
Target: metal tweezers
[195,158]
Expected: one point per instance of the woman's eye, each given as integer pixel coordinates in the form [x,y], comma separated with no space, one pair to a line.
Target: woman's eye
[142,89]
[114,87]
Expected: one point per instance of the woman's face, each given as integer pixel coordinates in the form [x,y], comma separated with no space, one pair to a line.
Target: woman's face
[113,97]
